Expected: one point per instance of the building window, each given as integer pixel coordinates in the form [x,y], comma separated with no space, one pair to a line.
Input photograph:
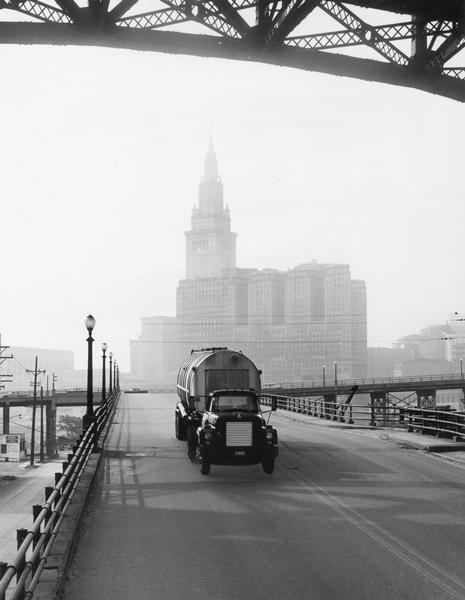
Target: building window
[200,245]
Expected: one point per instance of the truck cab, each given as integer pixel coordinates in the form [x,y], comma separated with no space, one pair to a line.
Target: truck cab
[232,431]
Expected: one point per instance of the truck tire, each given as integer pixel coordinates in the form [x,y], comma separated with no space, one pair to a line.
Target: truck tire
[191,443]
[205,466]
[268,465]
[179,427]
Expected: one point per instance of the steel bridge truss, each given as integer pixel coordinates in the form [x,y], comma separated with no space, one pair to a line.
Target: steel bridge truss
[418,49]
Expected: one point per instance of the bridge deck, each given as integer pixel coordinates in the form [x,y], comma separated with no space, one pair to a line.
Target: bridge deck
[344,516]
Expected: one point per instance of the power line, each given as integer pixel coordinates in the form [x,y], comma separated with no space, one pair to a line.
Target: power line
[19,363]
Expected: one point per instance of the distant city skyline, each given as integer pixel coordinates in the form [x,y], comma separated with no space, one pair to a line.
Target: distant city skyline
[295,324]
[95,205]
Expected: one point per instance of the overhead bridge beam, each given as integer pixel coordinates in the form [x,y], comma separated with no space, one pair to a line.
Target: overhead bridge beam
[222,47]
[443,10]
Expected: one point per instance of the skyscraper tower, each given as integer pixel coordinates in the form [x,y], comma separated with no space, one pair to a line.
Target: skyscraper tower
[210,244]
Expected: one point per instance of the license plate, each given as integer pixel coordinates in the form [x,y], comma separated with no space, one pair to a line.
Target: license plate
[239,453]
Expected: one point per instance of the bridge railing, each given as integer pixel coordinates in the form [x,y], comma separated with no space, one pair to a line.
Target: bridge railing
[19,579]
[58,392]
[434,422]
[329,382]
[426,421]
[352,414]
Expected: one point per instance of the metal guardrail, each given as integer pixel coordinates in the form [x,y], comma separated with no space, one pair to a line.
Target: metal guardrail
[58,392]
[434,422]
[425,421]
[35,544]
[359,414]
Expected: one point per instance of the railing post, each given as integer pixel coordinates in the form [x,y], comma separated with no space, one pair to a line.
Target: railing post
[58,476]
[20,537]
[372,410]
[3,568]
[36,510]
[48,492]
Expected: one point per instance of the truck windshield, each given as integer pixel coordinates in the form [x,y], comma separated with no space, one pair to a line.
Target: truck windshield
[225,403]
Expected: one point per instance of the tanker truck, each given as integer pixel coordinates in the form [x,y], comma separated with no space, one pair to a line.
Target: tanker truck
[219,413]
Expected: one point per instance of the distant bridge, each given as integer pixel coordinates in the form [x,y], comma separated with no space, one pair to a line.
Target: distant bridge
[51,403]
[417,49]
[420,389]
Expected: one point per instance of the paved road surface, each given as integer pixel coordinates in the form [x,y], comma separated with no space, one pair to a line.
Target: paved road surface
[17,497]
[346,515]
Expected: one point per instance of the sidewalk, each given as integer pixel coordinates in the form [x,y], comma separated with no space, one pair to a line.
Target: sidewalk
[417,441]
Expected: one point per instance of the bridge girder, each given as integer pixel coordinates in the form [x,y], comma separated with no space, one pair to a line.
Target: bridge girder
[435,29]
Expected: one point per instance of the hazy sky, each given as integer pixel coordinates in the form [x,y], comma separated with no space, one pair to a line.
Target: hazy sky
[100,159]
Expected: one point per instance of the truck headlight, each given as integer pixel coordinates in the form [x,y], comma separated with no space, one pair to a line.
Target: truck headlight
[207,435]
[269,435]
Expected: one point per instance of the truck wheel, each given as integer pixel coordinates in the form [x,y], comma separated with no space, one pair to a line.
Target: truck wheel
[179,427]
[204,466]
[268,465]
[191,443]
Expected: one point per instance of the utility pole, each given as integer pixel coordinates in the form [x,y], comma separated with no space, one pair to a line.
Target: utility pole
[4,377]
[41,424]
[34,403]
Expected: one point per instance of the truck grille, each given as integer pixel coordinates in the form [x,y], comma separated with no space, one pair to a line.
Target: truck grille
[239,434]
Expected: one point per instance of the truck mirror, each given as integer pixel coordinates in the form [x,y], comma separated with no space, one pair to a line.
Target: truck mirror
[274,403]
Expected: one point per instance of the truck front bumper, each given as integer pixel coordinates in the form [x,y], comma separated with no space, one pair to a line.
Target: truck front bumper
[218,454]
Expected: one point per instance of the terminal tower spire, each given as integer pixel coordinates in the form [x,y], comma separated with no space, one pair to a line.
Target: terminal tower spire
[210,243]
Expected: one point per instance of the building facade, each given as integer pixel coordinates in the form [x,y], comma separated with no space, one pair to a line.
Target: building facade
[210,243]
[154,354]
[56,363]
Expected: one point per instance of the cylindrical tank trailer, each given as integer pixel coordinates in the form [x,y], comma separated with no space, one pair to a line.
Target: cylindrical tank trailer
[219,411]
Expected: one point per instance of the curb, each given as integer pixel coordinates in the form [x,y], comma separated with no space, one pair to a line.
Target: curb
[458,447]
[328,423]
[53,578]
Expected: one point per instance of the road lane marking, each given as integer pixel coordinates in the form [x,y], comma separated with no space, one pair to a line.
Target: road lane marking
[390,542]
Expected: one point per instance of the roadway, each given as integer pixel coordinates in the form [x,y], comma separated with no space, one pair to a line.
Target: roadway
[20,488]
[346,515]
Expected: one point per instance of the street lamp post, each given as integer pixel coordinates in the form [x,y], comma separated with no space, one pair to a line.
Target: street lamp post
[104,349]
[111,372]
[89,416]
[335,389]
[324,375]
[114,375]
